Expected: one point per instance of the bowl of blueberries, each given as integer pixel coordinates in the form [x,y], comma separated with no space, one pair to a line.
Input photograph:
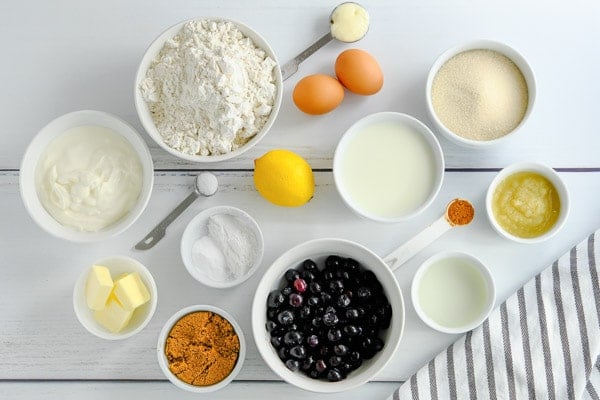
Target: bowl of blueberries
[328,315]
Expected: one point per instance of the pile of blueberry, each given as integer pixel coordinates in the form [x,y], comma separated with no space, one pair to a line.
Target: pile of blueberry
[325,322]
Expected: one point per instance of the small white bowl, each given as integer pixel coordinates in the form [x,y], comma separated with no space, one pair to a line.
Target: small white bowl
[501,48]
[197,228]
[318,250]
[164,363]
[35,150]
[117,265]
[144,113]
[485,274]
[404,120]
[548,173]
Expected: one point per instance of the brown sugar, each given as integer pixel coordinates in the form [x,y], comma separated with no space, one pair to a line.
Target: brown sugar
[460,212]
[202,348]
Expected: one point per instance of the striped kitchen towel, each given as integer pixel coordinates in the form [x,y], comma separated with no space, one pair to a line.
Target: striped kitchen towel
[542,343]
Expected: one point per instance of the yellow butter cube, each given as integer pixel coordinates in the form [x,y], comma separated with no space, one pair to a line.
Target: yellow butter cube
[114,316]
[131,291]
[98,287]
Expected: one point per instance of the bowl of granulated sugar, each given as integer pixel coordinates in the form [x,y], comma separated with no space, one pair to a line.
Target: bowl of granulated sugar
[480,93]
[208,89]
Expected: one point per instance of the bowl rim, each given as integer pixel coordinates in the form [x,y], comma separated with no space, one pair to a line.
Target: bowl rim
[548,173]
[162,340]
[142,108]
[30,160]
[481,44]
[481,267]
[200,220]
[259,315]
[420,128]
[79,292]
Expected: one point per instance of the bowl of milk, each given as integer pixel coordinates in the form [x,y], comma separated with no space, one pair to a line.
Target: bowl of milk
[388,167]
[453,292]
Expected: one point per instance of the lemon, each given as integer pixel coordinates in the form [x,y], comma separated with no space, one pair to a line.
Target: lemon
[284,178]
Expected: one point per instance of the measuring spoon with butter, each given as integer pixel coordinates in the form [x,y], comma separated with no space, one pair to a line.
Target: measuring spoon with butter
[458,212]
[205,184]
[349,22]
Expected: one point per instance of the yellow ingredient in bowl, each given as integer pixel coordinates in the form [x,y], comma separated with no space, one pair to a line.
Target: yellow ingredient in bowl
[526,204]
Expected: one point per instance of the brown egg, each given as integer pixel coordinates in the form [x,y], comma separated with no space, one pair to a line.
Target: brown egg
[359,72]
[318,94]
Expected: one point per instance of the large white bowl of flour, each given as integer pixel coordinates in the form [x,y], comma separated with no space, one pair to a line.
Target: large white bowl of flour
[208,89]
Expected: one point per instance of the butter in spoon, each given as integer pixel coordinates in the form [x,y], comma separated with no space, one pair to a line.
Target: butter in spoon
[458,212]
[205,184]
[349,22]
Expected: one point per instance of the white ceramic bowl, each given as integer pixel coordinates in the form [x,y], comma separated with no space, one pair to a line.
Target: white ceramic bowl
[35,150]
[548,173]
[404,120]
[117,265]
[197,228]
[318,250]
[164,363]
[485,274]
[501,48]
[144,113]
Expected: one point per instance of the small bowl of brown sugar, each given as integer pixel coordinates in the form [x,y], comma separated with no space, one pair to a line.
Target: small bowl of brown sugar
[480,93]
[201,348]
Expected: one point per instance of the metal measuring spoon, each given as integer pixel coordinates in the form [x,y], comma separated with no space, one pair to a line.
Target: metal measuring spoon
[206,184]
[291,67]
[428,235]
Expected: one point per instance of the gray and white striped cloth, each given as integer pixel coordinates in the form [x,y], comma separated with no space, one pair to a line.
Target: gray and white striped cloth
[542,343]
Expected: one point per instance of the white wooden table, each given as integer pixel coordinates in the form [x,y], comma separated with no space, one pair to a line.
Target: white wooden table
[67,55]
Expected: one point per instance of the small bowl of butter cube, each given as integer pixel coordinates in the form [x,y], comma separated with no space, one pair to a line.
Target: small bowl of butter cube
[115,297]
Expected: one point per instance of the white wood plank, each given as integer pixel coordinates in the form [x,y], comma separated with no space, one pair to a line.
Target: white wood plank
[41,338]
[165,390]
[68,55]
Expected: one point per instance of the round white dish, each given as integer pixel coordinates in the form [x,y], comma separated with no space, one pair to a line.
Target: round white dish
[144,113]
[117,265]
[318,250]
[197,228]
[164,363]
[35,150]
[501,48]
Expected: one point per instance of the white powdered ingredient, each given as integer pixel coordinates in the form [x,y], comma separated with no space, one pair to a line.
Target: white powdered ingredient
[228,251]
[210,89]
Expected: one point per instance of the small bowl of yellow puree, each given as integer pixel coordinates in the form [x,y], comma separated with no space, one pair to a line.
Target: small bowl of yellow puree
[527,202]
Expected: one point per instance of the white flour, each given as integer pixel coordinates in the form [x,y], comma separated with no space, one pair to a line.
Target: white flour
[210,89]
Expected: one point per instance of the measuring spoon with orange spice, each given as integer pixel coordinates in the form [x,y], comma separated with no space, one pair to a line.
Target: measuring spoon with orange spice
[459,212]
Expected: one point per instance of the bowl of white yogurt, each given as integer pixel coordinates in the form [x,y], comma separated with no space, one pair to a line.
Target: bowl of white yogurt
[388,167]
[208,89]
[86,176]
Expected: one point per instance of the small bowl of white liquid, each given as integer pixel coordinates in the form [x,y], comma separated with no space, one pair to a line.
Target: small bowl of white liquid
[453,292]
[388,167]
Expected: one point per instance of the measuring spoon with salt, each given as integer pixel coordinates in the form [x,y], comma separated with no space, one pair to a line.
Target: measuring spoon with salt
[205,184]
[428,235]
[346,10]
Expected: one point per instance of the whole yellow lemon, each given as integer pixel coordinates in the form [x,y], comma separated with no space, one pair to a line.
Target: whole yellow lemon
[284,178]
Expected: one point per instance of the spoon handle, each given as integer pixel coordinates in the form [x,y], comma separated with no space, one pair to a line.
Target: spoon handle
[159,230]
[291,66]
[423,239]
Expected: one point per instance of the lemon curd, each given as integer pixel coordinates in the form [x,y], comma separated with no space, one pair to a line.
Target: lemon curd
[526,204]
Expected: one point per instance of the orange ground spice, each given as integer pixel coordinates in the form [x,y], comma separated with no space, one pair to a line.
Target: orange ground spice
[460,212]
[202,348]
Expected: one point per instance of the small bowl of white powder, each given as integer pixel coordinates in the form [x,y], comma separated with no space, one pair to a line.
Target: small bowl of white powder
[480,93]
[208,90]
[222,246]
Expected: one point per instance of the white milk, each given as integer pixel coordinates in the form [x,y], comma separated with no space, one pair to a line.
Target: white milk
[387,170]
[452,292]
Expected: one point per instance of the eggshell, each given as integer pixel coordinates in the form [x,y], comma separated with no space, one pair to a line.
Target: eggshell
[359,72]
[318,94]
